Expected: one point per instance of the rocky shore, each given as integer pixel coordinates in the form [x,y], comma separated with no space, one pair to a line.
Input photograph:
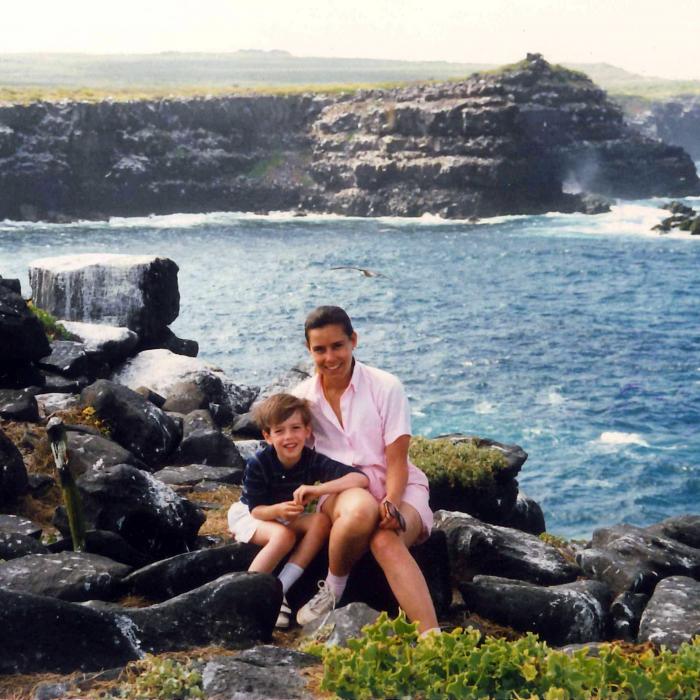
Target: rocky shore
[530,138]
[155,437]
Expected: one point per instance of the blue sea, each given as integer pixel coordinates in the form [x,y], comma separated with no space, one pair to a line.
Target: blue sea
[576,337]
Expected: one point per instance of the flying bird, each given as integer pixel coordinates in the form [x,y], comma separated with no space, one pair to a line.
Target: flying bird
[363,270]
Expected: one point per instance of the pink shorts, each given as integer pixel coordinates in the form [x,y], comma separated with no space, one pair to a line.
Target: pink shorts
[416,494]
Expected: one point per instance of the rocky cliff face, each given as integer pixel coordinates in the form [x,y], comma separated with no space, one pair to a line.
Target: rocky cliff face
[510,142]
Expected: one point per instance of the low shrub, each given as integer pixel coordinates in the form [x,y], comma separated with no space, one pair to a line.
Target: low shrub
[390,661]
[461,464]
[162,679]
[53,329]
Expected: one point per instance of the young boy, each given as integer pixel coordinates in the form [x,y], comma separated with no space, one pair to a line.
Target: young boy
[278,482]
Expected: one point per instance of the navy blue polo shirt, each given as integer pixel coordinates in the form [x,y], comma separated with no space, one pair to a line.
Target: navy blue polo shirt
[266,481]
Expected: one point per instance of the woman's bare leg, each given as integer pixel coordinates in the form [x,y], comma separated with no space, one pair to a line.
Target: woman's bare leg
[313,529]
[355,515]
[403,574]
[276,540]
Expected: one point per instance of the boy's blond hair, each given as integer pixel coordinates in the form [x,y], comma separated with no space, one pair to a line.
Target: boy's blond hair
[278,408]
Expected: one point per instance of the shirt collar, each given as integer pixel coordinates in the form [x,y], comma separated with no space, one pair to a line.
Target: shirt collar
[355,379]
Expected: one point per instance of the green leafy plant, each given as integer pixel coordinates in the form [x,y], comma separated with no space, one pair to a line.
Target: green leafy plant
[461,464]
[53,329]
[391,661]
[162,679]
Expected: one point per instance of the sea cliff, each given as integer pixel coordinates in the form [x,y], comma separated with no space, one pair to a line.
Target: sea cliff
[529,138]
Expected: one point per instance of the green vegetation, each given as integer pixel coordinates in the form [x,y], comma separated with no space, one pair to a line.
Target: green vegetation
[461,464]
[266,166]
[390,661]
[155,678]
[53,329]
[559,72]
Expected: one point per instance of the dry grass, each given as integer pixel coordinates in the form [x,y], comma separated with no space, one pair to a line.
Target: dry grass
[216,523]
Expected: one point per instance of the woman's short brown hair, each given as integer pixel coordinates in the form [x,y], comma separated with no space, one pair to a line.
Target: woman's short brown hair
[323,316]
[278,408]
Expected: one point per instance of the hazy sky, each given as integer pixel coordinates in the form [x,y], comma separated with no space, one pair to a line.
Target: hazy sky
[643,36]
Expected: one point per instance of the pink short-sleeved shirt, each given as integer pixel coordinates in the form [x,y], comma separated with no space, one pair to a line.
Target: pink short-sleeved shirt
[375,413]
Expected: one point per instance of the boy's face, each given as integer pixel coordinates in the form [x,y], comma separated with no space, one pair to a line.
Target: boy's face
[288,438]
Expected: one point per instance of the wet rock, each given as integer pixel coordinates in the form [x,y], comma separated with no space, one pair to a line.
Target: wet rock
[13,524]
[13,473]
[106,544]
[136,424]
[149,515]
[478,548]
[136,291]
[672,616]
[683,528]
[110,343]
[13,546]
[236,610]
[193,474]
[569,613]
[626,612]
[86,451]
[184,572]
[342,624]
[632,559]
[67,357]
[71,576]
[19,404]
[260,673]
[89,639]
[22,336]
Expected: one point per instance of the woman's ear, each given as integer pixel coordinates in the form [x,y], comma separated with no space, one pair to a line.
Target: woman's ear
[353,339]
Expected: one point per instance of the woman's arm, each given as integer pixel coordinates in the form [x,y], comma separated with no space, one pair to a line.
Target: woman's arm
[307,492]
[396,478]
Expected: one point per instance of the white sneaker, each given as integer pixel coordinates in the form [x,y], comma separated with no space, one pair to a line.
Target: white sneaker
[322,603]
[284,617]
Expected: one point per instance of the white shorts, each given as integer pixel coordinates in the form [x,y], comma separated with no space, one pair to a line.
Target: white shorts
[241,523]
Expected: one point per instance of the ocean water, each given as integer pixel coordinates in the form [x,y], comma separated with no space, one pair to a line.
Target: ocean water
[577,337]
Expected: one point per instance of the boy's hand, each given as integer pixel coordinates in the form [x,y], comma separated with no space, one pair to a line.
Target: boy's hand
[306,493]
[289,510]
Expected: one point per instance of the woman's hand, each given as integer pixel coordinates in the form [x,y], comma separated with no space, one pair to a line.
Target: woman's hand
[390,517]
[289,510]
[306,493]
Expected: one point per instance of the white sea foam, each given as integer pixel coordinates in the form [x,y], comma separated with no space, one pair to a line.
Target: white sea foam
[484,407]
[555,398]
[614,437]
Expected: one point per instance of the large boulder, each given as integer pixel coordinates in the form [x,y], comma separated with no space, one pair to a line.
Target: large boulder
[110,344]
[67,357]
[204,444]
[149,515]
[341,624]
[192,474]
[565,614]
[72,576]
[86,451]
[106,544]
[170,577]
[22,337]
[42,635]
[136,291]
[634,559]
[478,548]
[14,524]
[13,473]
[19,404]
[13,546]
[672,616]
[135,423]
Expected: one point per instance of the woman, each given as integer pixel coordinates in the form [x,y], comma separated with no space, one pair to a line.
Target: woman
[361,417]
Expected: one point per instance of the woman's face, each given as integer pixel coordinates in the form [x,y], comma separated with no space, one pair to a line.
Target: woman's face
[331,350]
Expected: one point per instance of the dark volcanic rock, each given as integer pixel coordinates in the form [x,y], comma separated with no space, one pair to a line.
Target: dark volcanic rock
[683,528]
[526,515]
[566,614]
[13,524]
[13,473]
[169,577]
[196,473]
[342,624]
[672,616]
[236,610]
[136,424]
[633,559]
[136,291]
[13,545]
[110,344]
[43,635]
[86,451]
[106,544]
[149,515]
[260,673]
[22,336]
[210,447]
[72,576]
[19,404]
[626,612]
[478,548]
[67,357]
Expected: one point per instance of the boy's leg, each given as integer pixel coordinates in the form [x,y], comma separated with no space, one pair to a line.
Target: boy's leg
[313,531]
[276,540]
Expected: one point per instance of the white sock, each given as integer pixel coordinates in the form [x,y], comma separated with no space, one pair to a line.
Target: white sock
[289,576]
[336,584]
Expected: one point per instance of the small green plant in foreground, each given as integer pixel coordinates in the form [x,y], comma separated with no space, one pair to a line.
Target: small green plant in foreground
[53,329]
[162,679]
[390,661]
[461,464]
